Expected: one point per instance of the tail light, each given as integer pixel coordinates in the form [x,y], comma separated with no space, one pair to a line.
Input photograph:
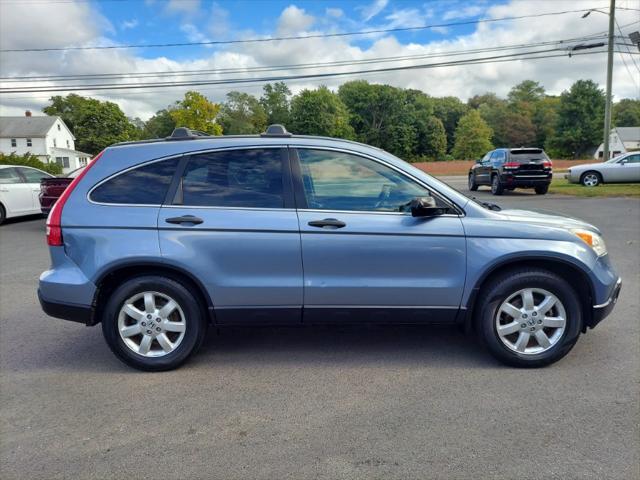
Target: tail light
[511,165]
[547,164]
[54,226]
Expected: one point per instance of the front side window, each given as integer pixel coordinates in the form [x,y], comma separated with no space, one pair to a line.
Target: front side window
[9,175]
[234,178]
[32,175]
[145,185]
[633,158]
[343,181]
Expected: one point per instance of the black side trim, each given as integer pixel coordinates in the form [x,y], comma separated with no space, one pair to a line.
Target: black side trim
[259,315]
[379,315]
[66,311]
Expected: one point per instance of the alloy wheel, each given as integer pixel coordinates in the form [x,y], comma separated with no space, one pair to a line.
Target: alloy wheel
[531,321]
[591,180]
[151,324]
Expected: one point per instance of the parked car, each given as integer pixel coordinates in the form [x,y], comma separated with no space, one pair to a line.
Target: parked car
[52,187]
[19,189]
[157,240]
[508,169]
[624,168]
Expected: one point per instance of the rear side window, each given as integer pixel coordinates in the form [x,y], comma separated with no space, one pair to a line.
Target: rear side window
[9,175]
[32,175]
[146,185]
[234,178]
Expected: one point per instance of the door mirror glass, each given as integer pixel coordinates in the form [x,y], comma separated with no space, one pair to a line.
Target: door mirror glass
[425,207]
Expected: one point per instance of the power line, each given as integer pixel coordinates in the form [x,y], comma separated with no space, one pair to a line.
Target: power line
[296,37]
[531,55]
[346,62]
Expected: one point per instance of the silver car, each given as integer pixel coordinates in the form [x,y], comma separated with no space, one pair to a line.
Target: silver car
[621,169]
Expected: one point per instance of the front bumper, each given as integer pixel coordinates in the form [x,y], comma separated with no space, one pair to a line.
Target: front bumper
[601,311]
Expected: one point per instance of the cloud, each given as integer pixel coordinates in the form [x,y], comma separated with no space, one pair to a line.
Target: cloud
[406,18]
[188,7]
[374,8]
[219,23]
[334,12]
[129,24]
[555,74]
[294,20]
[470,11]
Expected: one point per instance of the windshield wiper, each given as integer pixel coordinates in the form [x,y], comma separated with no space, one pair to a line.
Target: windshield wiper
[487,205]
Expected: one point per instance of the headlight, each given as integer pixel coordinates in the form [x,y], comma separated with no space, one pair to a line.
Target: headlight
[592,239]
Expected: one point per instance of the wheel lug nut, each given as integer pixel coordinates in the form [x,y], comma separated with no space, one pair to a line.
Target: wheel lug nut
[144,324]
[535,314]
[539,321]
[149,316]
[149,332]
[157,329]
[533,328]
[524,325]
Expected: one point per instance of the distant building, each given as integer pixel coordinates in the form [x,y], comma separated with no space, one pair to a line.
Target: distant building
[48,138]
[621,140]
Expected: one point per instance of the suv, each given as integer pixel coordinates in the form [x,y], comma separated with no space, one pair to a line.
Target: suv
[158,240]
[508,169]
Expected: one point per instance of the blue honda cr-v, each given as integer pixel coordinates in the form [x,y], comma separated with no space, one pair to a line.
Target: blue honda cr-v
[159,239]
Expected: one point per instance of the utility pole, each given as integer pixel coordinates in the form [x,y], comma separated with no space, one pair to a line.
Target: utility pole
[607,105]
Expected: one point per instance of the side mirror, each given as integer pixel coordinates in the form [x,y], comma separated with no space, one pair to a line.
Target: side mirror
[479,161]
[623,161]
[425,207]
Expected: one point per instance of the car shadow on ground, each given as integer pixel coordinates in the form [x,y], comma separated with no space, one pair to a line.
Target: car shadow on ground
[373,346]
[26,218]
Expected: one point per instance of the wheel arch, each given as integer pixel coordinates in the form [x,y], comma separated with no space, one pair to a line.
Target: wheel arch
[569,271]
[599,174]
[109,279]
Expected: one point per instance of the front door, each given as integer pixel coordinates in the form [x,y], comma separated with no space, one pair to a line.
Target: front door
[365,257]
[233,224]
[15,193]
[33,177]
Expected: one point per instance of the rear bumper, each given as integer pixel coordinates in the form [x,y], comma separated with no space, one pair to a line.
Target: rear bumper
[601,311]
[523,180]
[67,311]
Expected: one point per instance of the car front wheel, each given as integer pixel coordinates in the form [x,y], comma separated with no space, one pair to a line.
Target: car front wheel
[591,179]
[153,323]
[529,317]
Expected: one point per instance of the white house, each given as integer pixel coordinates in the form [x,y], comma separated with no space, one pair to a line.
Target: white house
[46,137]
[621,140]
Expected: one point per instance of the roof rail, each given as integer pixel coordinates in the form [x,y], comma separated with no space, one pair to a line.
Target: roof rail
[184,133]
[276,130]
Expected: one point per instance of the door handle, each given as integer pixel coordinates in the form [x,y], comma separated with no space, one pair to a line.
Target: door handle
[327,223]
[185,219]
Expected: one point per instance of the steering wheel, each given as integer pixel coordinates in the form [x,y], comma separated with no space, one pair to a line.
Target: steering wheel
[384,195]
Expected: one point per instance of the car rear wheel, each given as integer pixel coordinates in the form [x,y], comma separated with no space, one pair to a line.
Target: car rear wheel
[542,189]
[473,186]
[153,323]
[529,318]
[591,179]
[496,187]
[3,214]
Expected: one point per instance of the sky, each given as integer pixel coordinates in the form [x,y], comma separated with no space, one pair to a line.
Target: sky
[28,24]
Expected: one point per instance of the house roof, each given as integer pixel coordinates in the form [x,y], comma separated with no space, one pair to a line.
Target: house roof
[29,127]
[629,134]
[68,151]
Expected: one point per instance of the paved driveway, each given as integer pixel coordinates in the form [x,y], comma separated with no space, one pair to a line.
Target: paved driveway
[319,403]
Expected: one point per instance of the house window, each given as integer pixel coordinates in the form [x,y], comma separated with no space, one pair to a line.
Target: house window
[54,143]
[68,145]
[29,142]
[83,161]
[14,142]
[63,161]
[59,127]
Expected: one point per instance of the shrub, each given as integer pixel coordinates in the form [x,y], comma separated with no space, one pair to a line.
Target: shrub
[30,160]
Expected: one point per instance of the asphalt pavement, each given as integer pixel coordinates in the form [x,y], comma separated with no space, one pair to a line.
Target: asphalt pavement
[332,402]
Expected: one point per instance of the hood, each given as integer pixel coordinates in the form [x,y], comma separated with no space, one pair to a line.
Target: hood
[546,218]
[587,165]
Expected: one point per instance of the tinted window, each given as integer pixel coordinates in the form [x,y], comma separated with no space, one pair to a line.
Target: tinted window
[146,185]
[341,181]
[9,175]
[234,178]
[633,159]
[32,175]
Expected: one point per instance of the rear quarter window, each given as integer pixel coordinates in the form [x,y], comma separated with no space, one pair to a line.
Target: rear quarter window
[145,185]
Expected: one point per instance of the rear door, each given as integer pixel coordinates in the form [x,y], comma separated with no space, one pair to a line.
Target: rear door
[365,257]
[33,177]
[15,193]
[232,223]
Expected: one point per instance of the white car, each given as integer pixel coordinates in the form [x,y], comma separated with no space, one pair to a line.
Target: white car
[19,191]
[621,169]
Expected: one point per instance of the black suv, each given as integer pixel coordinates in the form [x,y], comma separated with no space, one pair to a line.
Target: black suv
[508,169]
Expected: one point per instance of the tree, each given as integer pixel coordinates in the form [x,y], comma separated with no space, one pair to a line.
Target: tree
[30,160]
[94,123]
[432,138]
[449,110]
[579,125]
[320,112]
[275,102]
[626,113]
[242,113]
[526,91]
[472,137]
[196,112]
[161,125]
[545,118]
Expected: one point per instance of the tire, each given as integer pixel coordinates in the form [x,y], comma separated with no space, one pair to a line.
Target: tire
[542,189]
[591,179]
[496,186]
[3,214]
[473,186]
[510,348]
[184,327]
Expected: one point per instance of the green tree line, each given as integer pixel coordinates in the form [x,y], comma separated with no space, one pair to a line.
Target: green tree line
[406,122]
